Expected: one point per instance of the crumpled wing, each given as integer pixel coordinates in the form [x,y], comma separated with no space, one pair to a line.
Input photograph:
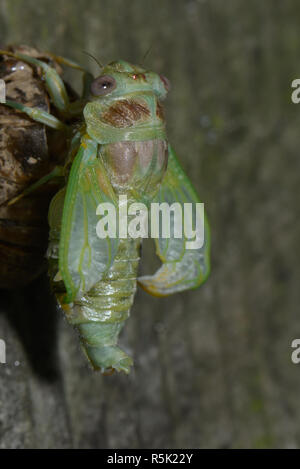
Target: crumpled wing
[183,268]
[83,256]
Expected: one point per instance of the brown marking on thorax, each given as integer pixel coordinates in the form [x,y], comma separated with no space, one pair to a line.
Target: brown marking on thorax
[125,113]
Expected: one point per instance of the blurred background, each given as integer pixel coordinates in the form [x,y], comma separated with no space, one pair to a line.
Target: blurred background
[213,366]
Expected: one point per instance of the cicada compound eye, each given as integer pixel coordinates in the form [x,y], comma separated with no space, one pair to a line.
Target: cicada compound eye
[103,85]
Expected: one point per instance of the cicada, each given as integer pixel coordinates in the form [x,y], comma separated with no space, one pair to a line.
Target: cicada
[117,147]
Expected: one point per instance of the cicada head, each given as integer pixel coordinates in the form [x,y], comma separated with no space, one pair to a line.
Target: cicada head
[122,78]
[128,98]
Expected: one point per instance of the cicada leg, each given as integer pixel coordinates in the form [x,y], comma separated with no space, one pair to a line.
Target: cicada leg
[38,115]
[56,173]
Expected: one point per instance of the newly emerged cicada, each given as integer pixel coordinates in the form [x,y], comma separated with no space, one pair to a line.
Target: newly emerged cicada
[117,147]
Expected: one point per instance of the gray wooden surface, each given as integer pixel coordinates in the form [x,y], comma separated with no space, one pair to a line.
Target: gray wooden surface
[212,366]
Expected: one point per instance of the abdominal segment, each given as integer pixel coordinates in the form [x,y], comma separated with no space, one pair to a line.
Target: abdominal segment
[100,313]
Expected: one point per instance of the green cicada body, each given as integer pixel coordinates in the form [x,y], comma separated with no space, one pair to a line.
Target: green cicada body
[118,149]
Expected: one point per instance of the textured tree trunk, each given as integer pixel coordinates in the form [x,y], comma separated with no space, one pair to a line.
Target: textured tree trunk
[212,366]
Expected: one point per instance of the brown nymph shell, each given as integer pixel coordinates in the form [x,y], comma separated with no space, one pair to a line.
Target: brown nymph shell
[25,156]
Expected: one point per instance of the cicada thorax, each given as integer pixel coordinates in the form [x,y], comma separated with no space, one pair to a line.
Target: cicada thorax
[136,168]
[131,161]
[25,156]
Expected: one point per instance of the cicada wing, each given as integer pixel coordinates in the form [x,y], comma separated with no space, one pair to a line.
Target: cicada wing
[83,256]
[183,267]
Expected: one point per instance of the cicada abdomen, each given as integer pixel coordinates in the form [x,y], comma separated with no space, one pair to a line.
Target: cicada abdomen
[25,156]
